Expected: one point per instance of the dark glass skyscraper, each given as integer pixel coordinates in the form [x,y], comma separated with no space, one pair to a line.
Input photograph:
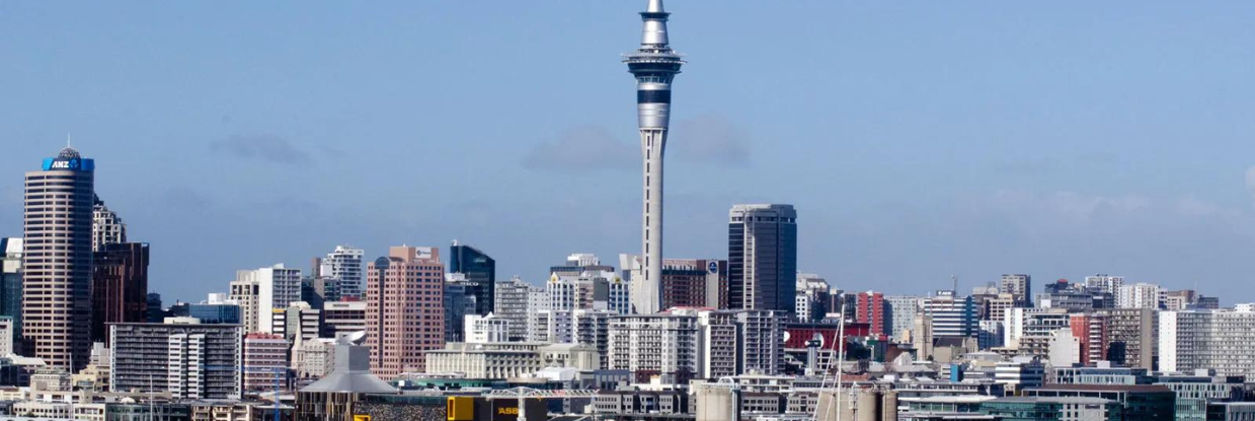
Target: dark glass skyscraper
[119,287]
[762,257]
[480,272]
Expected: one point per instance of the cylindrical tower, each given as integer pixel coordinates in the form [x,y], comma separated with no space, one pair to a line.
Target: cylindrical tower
[654,65]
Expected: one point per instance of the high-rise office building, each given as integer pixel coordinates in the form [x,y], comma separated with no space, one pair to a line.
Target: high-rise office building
[344,266]
[1090,330]
[900,311]
[107,227]
[119,287]
[460,299]
[276,288]
[951,316]
[762,257]
[57,259]
[155,311]
[510,304]
[694,283]
[870,309]
[191,361]
[297,323]
[11,285]
[654,65]
[480,273]
[404,309]
[1020,286]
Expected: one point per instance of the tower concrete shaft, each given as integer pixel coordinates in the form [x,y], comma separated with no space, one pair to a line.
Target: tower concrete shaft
[654,65]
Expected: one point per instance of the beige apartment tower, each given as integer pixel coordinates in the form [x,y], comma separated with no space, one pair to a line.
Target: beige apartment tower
[56,291]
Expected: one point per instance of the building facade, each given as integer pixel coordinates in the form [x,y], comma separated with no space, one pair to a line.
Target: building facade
[762,257]
[404,309]
[480,273]
[57,259]
[1208,339]
[344,266]
[510,304]
[661,344]
[119,286]
[191,361]
[276,288]
[1020,286]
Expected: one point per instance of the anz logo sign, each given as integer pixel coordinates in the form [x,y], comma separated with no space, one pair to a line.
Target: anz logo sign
[73,164]
[69,164]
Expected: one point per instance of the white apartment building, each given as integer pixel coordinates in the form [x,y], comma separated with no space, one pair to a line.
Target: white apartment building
[1139,295]
[1223,340]
[277,287]
[344,264]
[659,344]
[485,329]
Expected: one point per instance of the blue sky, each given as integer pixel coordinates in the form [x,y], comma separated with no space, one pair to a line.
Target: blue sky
[918,140]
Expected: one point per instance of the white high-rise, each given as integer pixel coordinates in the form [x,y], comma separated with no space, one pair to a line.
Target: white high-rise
[654,65]
[1139,295]
[1104,283]
[1223,340]
[345,265]
[276,288]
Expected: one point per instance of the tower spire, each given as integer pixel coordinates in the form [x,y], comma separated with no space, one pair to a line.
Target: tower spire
[654,65]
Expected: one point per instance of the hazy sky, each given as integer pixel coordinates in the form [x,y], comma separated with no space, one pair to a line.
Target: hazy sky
[918,140]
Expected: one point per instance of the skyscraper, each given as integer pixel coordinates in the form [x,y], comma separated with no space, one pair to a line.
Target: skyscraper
[119,287]
[654,65]
[11,285]
[480,272]
[57,259]
[276,288]
[344,264]
[107,227]
[870,309]
[404,311]
[762,257]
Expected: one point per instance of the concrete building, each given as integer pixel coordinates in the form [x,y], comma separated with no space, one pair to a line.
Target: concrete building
[508,360]
[313,359]
[762,257]
[694,283]
[277,287]
[298,322]
[1104,283]
[245,293]
[900,313]
[592,328]
[265,362]
[484,329]
[814,298]
[1090,330]
[191,361]
[340,318]
[1020,286]
[479,271]
[344,265]
[733,342]
[1020,373]
[1195,391]
[11,285]
[1132,338]
[950,315]
[1223,340]
[654,65]
[119,286]
[510,304]
[662,345]
[57,260]
[404,314]
[107,227]
[1064,349]
[1139,295]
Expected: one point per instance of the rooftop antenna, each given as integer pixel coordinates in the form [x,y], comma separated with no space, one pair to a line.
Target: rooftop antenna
[67,139]
[955,280]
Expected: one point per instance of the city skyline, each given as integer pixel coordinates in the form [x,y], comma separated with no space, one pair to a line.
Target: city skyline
[1048,196]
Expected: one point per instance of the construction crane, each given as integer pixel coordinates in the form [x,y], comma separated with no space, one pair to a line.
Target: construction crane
[522,393]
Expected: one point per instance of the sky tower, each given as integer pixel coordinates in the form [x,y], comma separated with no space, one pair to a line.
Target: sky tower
[654,64]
